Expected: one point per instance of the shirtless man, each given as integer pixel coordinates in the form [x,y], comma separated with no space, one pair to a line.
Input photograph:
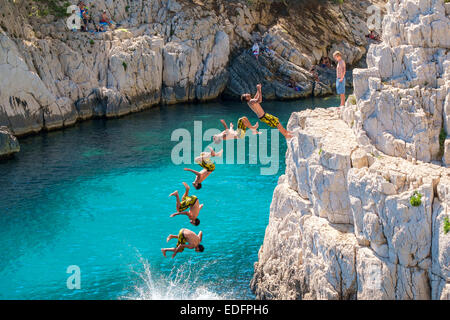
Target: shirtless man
[340,76]
[204,161]
[230,133]
[186,239]
[268,119]
[187,202]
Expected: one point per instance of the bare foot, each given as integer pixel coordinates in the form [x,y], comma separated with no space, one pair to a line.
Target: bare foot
[164,253]
[255,128]
[173,193]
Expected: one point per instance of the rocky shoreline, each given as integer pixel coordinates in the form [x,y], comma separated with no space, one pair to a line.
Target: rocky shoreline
[362,210]
[165,52]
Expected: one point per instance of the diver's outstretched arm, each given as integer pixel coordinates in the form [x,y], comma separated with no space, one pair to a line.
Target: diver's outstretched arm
[186,213]
[193,171]
[224,124]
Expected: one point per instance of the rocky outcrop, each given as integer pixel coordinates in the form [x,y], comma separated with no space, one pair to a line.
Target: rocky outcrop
[164,52]
[8,143]
[411,71]
[299,39]
[356,216]
[342,225]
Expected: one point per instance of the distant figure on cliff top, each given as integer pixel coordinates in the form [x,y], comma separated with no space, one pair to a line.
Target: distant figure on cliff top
[340,76]
[373,35]
[187,239]
[230,134]
[84,15]
[268,119]
[190,202]
[255,50]
[204,161]
[105,21]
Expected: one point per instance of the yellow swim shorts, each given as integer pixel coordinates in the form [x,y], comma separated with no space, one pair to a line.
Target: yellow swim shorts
[187,202]
[270,120]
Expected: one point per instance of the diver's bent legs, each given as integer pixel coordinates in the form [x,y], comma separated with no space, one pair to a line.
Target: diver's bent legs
[248,124]
[284,132]
[175,193]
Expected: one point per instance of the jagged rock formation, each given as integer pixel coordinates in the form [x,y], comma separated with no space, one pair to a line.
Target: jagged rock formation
[165,52]
[360,211]
[8,143]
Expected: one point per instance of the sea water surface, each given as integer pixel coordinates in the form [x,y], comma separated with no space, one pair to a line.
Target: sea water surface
[96,196]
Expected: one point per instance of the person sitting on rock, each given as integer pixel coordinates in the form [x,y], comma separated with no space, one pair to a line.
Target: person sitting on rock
[105,21]
[255,50]
[229,133]
[269,51]
[187,239]
[204,161]
[270,120]
[315,74]
[190,202]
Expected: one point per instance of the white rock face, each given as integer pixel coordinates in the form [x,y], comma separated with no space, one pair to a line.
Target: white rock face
[164,52]
[403,96]
[344,228]
[374,227]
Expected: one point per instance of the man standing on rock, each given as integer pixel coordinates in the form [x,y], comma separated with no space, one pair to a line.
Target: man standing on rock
[268,119]
[186,239]
[340,76]
[190,202]
[204,161]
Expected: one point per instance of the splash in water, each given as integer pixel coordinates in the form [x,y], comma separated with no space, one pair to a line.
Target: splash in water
[183,283]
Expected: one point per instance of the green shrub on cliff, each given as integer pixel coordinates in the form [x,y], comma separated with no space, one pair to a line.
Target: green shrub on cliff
[446,222]
[352,99]
[442,136]
[416,199]
[54,7]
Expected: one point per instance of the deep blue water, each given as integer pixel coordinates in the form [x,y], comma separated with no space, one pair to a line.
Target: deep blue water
[96,196]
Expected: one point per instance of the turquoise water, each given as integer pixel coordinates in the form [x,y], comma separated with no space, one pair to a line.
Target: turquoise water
[96,196]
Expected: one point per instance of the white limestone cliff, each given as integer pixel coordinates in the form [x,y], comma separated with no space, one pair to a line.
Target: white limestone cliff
[165,52]
[343,222]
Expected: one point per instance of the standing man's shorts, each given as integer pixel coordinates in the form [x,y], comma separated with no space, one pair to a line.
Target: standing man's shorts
[270,120]
[340,86]
[181,239]
[208,165]
[241,128]
[187,202]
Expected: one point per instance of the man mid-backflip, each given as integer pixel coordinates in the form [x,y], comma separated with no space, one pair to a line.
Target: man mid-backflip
[229,133]
[268,119]
[187,202]
[187,239]
[204,161]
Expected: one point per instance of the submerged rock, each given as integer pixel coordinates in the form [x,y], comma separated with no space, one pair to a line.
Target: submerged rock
[8,143]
